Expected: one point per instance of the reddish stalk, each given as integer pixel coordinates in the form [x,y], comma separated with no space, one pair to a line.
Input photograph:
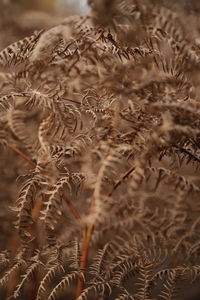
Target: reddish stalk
[12,147]
[88,234]
[122,178]
[84,258]
[73,210]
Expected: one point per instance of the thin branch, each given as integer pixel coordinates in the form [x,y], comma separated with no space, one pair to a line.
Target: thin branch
[73,210]
[84,258]
[122,178]
[24,156]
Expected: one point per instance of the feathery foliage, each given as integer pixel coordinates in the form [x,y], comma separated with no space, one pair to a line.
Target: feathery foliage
[100,125]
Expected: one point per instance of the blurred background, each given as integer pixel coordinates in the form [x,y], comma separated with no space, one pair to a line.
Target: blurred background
[61,6]
[19,18]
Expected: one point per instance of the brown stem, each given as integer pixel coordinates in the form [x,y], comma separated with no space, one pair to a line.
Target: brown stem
[88,234]
[84,258]
[73,210]
[12,147]
[122,178]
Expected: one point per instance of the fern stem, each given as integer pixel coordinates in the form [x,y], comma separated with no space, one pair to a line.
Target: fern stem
[84,258]
[73,210]
[16,150]
[122,178]
[88,234]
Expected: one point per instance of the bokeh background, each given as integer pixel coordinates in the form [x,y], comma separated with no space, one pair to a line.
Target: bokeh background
[19,18]
[61,6]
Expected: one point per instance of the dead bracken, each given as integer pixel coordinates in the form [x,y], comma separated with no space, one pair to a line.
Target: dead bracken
[100,155]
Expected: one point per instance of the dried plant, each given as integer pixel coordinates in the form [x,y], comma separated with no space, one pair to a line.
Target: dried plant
[100,142]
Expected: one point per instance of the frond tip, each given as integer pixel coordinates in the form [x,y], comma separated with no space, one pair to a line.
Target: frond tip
[66,281]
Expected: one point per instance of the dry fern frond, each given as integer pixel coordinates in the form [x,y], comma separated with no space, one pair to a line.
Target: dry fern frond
[100,115]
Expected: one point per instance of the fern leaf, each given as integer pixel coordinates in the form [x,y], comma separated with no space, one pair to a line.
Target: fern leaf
[24,205]
[19,51]
[30,271]
[96,288]
[66,281]
[51,273]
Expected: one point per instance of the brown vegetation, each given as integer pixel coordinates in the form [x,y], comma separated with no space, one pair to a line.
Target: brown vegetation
[100,140]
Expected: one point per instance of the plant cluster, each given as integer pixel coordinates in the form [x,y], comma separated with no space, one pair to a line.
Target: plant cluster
[100,142]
